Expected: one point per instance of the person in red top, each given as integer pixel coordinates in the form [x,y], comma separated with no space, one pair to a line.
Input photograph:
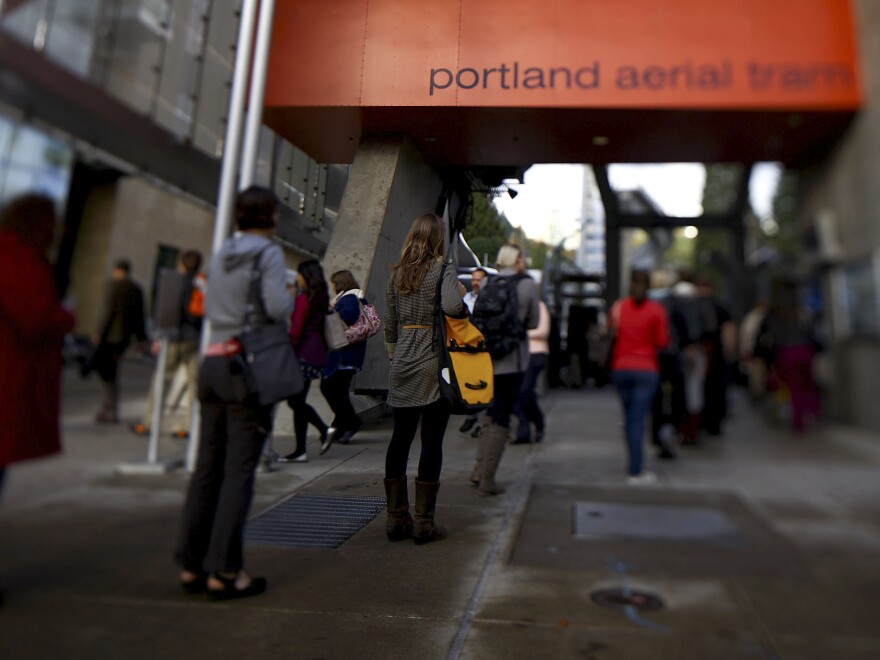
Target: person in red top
[641,329]
[32,326]
[307,335]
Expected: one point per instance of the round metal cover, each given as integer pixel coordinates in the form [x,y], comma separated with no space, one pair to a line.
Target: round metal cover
[621,598]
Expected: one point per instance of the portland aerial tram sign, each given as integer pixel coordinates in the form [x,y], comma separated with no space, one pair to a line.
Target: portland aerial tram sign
[518,81]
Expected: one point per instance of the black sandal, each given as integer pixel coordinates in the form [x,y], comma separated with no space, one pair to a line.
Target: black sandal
[195,586]
[229,590]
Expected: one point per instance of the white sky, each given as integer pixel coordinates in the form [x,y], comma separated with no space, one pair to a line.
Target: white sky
[548,205]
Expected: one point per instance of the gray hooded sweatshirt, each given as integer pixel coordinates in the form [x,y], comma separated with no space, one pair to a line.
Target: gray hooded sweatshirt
[229,276]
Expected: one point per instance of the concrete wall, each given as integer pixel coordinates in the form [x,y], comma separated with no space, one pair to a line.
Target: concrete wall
[390,185]
[847,186]
[130,218]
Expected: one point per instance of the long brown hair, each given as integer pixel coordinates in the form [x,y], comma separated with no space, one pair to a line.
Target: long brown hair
[423,246]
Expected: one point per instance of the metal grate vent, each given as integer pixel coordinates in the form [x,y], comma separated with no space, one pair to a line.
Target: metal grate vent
[313,521]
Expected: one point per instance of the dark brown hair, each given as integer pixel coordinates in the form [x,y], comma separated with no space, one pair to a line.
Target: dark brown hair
[191,260]
[255,208]
[343,280]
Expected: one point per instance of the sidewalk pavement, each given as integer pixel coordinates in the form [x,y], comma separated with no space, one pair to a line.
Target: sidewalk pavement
[760,544]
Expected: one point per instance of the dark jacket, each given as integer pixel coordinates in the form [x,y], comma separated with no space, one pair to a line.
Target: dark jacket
[190,327]
[352,356]
[123,313]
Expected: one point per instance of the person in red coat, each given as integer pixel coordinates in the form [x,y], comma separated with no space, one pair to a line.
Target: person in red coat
[32,326]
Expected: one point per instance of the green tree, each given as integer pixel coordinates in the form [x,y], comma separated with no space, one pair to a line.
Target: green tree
[712,246]
[487,229]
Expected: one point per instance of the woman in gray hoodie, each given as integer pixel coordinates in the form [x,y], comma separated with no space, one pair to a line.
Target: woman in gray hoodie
[233,425]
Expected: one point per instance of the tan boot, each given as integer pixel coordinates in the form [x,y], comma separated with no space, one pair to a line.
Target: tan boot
[492,443]
[425,530]
[398,524]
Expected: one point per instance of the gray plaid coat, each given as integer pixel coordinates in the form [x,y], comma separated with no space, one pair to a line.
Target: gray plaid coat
[415,372]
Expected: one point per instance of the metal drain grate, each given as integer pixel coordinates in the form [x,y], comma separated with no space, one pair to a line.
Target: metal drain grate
[313,521]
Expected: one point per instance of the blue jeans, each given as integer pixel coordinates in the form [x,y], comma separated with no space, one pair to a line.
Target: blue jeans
[636,389]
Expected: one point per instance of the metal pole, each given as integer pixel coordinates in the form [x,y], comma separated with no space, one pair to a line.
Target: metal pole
[227,190]
[257,94]
[232,142]
[158,402]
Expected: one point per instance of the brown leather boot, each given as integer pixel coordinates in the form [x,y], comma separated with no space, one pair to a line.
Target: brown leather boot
[492,443]
[425,530]
[398,524]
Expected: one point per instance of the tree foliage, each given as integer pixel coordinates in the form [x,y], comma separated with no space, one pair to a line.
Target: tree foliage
[487,229]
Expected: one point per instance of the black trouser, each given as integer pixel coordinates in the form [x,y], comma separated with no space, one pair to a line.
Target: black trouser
[233,428]
[107,359]
[527,408]
[303,415]
[435,417]
[335,389]
[506,391]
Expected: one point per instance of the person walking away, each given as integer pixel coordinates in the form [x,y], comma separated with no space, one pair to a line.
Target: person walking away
[641,330]
[414,386]
[719,342]
[687,321]
[307,335]
[753,362]
[123,319]
[527,408]
[342,365]
[183,346]
[234,424]
[472,422]
[518,297]
[789,331]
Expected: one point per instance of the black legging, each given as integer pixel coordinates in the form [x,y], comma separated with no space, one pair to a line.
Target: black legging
[303,415]
[335,389]
[435,417]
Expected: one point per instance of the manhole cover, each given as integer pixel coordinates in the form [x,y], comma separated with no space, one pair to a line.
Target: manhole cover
[618,599]
[313,521]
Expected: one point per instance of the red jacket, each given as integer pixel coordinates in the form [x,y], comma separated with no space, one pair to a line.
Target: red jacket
[32,326]
[642,331]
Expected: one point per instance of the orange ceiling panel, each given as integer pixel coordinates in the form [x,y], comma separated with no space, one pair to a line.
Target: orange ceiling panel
[396,56]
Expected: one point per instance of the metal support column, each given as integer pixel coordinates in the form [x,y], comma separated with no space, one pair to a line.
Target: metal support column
[257,94]
[227,190]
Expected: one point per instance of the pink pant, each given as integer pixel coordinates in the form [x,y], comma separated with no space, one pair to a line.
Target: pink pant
[794,364]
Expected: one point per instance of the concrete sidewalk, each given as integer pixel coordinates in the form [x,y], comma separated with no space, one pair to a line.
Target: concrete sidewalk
[759,544]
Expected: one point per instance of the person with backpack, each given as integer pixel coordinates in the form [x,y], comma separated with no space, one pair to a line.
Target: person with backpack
[183,344]
[234,424]
[342,365]
[414,388]
[508,306]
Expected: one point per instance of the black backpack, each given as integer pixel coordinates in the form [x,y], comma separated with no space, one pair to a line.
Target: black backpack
[496,315]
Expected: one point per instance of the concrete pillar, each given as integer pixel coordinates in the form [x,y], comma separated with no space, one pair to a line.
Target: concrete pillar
[389,186]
